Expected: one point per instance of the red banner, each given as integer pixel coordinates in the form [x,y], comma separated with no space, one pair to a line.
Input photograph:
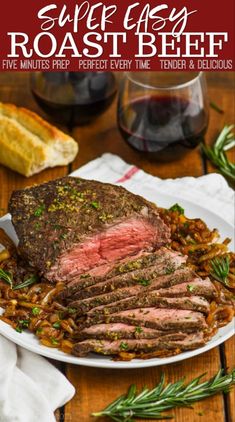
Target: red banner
[117,35]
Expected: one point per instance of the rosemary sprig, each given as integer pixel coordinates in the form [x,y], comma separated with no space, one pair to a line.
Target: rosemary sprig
[220,269]
[216,153]
[216,107]
[6,276]
[31,280]
[151,403]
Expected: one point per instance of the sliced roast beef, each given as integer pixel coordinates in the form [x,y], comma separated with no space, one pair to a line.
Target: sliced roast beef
[158,275]
[194,303]
[106,347]
[156,318]
[165,262]
[141,286]
[195,287]
[116,331]
[70,225]
[144,299]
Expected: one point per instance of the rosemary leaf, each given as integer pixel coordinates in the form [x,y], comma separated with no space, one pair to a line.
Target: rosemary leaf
[31,280]
[220,269]
[6,276]
[152,403]
[216,107]
[216,153]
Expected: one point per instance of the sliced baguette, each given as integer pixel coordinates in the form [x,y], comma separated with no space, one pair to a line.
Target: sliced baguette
[29,144]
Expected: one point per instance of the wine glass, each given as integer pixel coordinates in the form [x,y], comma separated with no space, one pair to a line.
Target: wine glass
[163,114]
[73,98]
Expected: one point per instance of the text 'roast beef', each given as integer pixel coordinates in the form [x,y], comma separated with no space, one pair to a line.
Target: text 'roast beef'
[70,225]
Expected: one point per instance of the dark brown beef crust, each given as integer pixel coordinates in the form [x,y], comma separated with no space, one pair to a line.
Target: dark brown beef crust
[51,218]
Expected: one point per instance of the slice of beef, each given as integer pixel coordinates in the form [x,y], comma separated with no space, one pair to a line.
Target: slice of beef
[145,299]
[145,276]
[106,347]
[140,294]
[141,286]
[194,287]
[131,263]
[194,303]
[70,225]
[115,331]
[156,318]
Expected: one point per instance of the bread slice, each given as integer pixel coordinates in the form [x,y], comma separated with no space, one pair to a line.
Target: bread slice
[29,144]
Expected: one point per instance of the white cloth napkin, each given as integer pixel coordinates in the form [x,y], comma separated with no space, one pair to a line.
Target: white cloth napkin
[30,387]
[211,191]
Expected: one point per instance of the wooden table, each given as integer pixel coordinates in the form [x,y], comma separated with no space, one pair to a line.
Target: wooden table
[97,387]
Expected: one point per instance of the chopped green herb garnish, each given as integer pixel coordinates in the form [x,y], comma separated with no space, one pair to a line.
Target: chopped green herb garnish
[178,208]
[63,236]
[143,282]
[39,210]
[56,325]
[24,323]
[18,329]
[190,288]
[36,311]
[85,275]
[138,330]
[39,330]
[54,341]
[6,276]
[71,310]
[123,346]
[95,205]
[170,269]
[57,226]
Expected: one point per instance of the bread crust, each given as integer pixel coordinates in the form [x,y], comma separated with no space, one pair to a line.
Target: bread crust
[29,144]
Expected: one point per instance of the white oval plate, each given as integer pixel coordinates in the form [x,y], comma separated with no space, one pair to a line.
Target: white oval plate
[29,341]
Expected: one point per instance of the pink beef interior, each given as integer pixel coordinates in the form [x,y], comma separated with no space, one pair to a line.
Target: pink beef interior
[117,242]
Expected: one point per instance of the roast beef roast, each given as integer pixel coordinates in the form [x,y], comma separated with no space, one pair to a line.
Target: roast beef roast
[68,226]
[128,291]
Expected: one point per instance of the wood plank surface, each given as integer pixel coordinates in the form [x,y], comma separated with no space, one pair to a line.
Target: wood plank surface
[97,387]
[226,101]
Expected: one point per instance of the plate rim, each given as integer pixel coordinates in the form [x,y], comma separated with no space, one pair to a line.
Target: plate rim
[135,363]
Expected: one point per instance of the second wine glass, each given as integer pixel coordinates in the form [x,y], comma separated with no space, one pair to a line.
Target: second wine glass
[161,114]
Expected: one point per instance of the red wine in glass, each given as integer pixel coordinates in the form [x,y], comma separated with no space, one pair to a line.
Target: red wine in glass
[163,125]
[73,98]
